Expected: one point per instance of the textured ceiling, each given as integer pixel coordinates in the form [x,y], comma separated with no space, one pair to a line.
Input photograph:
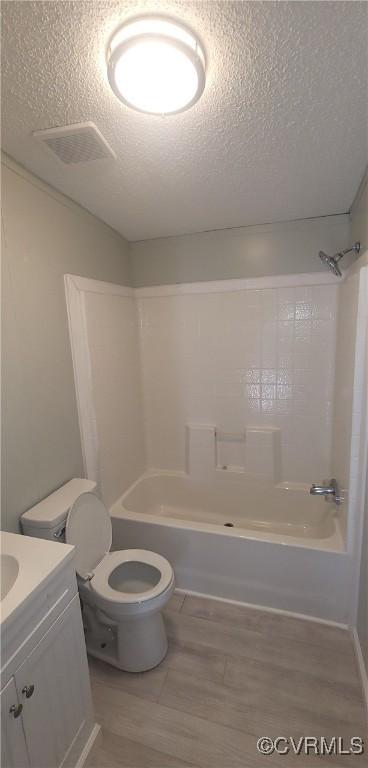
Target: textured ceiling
[279,133]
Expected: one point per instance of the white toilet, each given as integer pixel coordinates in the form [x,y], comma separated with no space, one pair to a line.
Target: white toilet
[122,592]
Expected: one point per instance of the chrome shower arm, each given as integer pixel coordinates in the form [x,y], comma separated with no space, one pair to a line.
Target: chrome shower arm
[340,254]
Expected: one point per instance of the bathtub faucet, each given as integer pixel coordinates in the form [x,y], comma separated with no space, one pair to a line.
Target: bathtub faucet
[328,491]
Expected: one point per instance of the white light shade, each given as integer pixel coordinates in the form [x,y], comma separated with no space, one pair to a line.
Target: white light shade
[156,66]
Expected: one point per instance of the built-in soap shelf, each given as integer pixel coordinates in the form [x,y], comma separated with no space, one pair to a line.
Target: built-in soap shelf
[230,448]
[230,437]
[254,451]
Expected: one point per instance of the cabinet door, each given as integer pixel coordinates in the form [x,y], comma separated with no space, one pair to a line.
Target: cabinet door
[13,744]
[55,677]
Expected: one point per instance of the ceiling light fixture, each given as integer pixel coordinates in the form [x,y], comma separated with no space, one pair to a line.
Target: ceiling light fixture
[156,65]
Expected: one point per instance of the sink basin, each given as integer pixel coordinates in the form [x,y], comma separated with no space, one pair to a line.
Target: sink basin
[9,569]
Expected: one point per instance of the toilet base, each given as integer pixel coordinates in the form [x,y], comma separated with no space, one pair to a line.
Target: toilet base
[141,643]
[134,645]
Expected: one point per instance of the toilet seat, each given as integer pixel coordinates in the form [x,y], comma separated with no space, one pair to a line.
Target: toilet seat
[89,528]
[105,570]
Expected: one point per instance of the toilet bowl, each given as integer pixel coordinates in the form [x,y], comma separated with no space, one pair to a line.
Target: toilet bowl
[122,592]
[132,582]
[129,588]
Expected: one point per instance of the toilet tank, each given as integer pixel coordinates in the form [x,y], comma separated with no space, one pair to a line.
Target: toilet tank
[47,520]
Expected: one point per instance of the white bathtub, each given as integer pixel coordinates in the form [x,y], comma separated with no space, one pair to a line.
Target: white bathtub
[283,550]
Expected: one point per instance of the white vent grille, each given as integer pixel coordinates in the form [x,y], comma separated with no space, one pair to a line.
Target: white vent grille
[79,143]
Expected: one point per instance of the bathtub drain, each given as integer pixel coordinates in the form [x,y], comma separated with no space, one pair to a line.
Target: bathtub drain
[229,525]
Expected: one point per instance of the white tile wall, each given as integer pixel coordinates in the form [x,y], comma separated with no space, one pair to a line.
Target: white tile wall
[112,323]
[242,358]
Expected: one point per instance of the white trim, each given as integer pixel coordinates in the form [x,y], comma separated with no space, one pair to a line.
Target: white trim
[98,286]
[266,608]
[82,376]
[75,289]
[241,284]
[211,286]
[361,667]
[358,427]
[88,750]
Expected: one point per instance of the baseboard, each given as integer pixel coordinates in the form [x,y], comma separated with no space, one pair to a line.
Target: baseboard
[89,748]
[267,608]
[361,667]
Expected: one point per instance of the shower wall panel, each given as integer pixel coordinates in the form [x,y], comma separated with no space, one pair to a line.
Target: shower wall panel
[112,328]
[241,358]
[344,385]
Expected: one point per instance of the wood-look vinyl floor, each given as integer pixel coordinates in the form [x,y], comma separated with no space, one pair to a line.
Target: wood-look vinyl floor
[232,674]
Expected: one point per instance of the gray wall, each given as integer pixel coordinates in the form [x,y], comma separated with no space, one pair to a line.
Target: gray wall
[271,249]
[44,236]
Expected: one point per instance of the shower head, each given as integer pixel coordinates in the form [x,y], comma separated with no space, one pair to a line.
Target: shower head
[333,261]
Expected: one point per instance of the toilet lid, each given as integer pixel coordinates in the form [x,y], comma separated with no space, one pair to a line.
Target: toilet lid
[88,527]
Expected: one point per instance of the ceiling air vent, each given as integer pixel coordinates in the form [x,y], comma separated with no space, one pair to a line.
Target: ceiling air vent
[79,143]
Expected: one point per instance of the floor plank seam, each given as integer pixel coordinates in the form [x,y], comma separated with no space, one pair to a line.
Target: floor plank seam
[182,605]
[162,686]
[225,671]
[209,721]
[198,718]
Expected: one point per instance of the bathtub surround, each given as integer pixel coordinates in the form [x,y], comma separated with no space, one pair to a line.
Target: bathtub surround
[242,356]
[343,441]
[104,336]
[238,358]
[232,328]
[44,235]
[225,363]
[113,327]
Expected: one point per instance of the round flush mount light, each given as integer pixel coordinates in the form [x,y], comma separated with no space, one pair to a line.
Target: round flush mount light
[156,65]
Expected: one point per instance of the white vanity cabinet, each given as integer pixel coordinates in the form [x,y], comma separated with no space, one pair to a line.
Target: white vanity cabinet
[46,709]
[56,707]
